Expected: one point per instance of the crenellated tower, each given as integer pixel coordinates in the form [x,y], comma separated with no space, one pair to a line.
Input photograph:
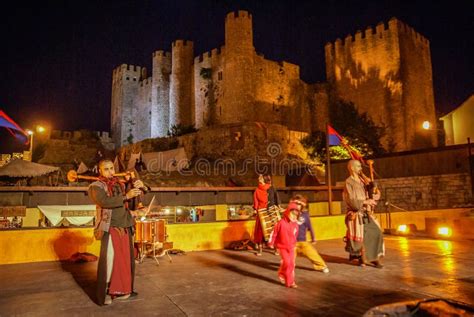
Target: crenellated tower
[181,84]
[238,83]
[125,84]
[160,94]
[386,73]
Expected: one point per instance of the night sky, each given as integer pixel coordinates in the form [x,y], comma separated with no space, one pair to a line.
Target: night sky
[58,56]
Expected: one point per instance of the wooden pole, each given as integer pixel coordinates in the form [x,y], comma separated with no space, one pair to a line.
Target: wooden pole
[471,168]
[328,171]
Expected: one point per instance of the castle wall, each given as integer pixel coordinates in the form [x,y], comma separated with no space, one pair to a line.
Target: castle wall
[366,70]
[319,108]
[181,84]
[388,75]
[143,106]
[418,98]
[160,94]
[125,83]
[208,87]
[238,86]
[385,72]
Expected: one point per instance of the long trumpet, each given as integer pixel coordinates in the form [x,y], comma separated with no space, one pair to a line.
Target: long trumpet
[73,177]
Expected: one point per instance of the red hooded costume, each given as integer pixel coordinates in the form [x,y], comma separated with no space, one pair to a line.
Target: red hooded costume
[283,238]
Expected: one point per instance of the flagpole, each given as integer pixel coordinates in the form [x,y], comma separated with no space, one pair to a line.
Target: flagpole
[328,171]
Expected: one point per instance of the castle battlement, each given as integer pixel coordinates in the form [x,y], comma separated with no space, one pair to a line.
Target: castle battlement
[181,43]
[238,14]
[382,30]
[126,70]
[161,53]
[146,82]
[208,56]
[404,28]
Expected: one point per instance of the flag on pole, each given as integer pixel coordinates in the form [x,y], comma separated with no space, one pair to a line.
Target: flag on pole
[13,128]
[335,138]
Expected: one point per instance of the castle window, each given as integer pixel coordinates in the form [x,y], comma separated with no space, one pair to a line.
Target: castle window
[219,75]
[134,78]
[128,78]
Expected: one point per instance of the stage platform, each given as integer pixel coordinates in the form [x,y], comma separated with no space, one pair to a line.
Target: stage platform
[238,283]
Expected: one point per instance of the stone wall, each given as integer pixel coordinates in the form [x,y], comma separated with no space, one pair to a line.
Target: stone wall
[237,142]
[420,180]
[387,73]
[439,161]
[427,192]
[208,87]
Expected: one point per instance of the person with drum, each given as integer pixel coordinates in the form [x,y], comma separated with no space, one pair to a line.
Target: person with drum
[114,228]
[273,198]
[260,201]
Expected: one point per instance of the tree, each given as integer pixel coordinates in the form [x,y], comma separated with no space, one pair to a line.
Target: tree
[181,129]
[359,130]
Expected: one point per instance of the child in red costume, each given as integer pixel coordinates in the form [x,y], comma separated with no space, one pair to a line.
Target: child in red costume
[283,238]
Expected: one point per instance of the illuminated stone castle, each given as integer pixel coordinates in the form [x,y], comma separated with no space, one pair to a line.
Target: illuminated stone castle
[386,73]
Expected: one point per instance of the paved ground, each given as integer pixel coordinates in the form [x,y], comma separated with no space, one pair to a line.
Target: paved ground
[231,283]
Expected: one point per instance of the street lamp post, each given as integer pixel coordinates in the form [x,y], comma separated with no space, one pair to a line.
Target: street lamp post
[30,133]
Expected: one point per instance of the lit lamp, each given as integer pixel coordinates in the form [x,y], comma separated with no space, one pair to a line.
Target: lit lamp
[407,229]
[39,129]
[426,125]
[445,232]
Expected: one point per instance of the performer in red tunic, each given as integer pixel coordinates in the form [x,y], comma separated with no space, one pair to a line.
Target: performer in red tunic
[114,227]
[260,201]
[283,238]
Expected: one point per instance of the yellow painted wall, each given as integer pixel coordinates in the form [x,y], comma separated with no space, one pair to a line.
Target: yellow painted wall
[22,246]
[446,216]
[321,208]
[35,245]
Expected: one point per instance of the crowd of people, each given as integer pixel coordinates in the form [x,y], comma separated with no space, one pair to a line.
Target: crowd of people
[364,237]
[115,228]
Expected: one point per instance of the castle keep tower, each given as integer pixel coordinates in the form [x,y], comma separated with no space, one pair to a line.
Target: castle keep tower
[181,84]
[160,94]
[125,83]
[388,75]
[238,85]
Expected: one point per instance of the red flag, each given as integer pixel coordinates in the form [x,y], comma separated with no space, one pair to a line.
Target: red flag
[333,136]
[336,139]
[13,127]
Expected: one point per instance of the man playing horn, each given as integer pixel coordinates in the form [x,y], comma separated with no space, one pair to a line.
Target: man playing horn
[364,238]
[114,227]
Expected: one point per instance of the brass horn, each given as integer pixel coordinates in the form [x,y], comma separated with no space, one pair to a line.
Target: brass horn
[73,177]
